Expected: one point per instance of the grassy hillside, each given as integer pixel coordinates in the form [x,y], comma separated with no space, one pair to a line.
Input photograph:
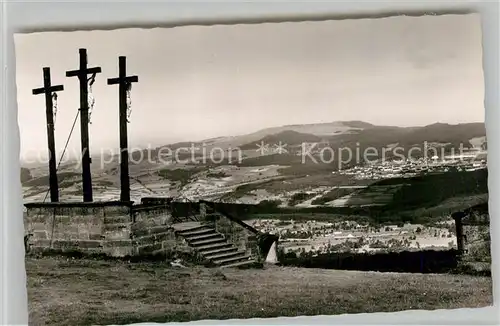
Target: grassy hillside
[85,292]
[332,195]
[446,133]
[429,190]
[179,175]
[419,200]
[62,177]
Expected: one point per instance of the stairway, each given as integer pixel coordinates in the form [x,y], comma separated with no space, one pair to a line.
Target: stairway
[213,246]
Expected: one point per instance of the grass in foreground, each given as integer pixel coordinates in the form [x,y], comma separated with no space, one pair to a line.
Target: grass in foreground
[86,292]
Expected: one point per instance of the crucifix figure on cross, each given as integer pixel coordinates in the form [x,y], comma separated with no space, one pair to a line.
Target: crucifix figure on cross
[54,105]
[50,95]
[91,81]
[124,86]
[82,74]
[128,87]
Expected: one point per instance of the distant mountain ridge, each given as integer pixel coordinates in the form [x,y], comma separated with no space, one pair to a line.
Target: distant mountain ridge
[380,136]
[336,134]
[285,137]
[341,133]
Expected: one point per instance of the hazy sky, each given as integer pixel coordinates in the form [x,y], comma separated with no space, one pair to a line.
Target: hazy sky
[199,82]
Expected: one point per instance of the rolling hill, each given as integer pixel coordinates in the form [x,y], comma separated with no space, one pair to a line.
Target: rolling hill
[289,137]
[341,134]
[350,134]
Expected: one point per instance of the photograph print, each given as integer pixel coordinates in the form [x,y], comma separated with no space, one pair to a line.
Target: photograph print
[237,171]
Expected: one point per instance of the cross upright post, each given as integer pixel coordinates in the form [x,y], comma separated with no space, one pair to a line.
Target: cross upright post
[48,89]
[124,83]
[82,73]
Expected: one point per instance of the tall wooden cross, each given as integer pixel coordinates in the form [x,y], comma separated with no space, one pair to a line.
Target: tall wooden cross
[124,82]
[82,74]
[48,89]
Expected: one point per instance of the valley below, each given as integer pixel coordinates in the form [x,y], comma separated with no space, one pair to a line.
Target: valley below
[315,204]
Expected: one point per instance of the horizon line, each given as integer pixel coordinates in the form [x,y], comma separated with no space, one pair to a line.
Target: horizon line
[143,147]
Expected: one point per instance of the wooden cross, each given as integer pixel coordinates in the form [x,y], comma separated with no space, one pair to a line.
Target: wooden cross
[124,82]
[84,120]
[48,89]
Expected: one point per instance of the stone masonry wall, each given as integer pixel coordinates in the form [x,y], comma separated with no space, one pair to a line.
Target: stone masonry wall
[121,229]
[240,236]
[90,227]
[112,228]
[160,213]
[152,233]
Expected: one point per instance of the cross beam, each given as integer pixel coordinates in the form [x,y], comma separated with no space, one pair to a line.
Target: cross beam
[124,83]
[82,74]
[48,89]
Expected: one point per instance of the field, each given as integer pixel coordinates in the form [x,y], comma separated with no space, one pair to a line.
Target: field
[84,292]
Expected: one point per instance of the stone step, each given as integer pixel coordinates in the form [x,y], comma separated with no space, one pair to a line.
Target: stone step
[231,260]
[197,232]
[208,241]
[215,246]
[195,228]
[239,264]
[221,256]
[219,251]
[185,227]
[212,245]
[203,237]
